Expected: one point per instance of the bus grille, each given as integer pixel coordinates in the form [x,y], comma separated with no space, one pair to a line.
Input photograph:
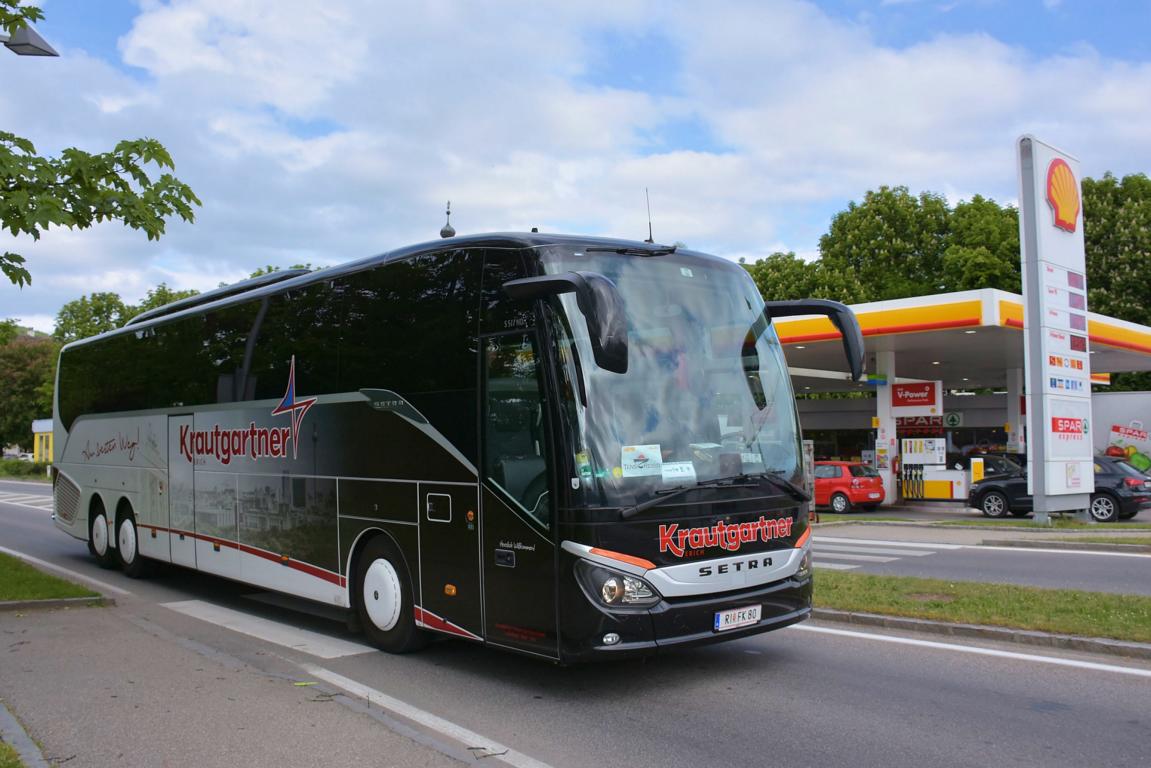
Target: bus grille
[67,499]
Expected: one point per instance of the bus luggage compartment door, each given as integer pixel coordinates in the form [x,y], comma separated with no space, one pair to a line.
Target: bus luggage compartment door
[449,584]
[181,496]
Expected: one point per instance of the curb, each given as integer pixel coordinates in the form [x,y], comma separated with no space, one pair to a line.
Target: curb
[16,737]
[1086,546]
[61,602]
[1019,636]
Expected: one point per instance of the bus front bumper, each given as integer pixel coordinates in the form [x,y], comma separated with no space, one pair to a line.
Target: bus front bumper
[687,622]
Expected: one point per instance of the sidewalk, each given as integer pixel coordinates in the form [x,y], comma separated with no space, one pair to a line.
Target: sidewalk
[95,689]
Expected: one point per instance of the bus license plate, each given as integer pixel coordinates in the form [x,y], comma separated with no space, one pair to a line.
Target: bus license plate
[737,617]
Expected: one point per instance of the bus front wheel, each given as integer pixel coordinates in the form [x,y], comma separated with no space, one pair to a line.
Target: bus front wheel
[384,599]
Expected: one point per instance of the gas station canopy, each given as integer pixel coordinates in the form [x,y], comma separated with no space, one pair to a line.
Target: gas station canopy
[969,339]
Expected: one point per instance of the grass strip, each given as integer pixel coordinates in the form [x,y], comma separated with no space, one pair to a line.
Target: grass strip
[834,517]
[1059,524]
[9,758]
[20,581]
[1061,611]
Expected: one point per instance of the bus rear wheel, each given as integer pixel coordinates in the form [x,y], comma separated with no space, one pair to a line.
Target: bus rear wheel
[128,545]
[98,536]
[384,599]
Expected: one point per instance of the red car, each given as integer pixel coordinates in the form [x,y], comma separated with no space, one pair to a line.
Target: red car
[842,485]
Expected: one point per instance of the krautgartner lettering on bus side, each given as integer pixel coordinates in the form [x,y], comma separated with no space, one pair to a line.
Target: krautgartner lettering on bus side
[251,441]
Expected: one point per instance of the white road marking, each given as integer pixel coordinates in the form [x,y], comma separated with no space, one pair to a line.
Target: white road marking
[833,566]
[32,501]
[29,483]
[309,642]
[883,543]
[857,558]
[494,749]
[820,546]
[1024,550]
[1090,665]
[101,585]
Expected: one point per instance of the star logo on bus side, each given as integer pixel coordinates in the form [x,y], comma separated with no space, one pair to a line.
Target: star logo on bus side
[295,407]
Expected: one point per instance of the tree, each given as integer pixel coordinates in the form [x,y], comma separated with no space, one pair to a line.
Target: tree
[983,247]
[90,315]
[158,297]
[893,242]
[1117,238]
[784,276]
[26,364]
[79,189]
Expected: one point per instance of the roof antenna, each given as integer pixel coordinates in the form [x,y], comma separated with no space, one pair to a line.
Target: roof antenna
[648,198]
[448,230]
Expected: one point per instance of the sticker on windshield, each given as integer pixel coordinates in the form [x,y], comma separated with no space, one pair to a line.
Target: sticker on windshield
[750,458]
[678,471]
[641,461]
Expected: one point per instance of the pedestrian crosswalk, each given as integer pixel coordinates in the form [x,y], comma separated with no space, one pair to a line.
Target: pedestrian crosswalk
[840,554]
[39,501]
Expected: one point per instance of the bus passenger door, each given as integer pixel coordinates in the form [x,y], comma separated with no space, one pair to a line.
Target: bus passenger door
[517,498]
[181,495]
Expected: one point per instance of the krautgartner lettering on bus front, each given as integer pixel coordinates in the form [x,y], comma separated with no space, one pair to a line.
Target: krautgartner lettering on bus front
[729,536]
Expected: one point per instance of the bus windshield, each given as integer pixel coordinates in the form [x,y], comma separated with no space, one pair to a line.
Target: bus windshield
[706,395]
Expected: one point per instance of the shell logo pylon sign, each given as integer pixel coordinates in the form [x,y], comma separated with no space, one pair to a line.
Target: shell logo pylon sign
[1063,194]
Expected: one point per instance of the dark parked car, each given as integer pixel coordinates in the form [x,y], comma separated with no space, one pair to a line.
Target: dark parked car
[993,463]
[1120,492]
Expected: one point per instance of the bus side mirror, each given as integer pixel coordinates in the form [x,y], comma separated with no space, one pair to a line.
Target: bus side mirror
[600,302]
[842,317]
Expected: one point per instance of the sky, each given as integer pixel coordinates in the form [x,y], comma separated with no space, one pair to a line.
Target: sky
[322,132]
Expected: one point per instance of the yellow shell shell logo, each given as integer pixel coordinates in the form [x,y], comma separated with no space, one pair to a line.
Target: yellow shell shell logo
[1063,194]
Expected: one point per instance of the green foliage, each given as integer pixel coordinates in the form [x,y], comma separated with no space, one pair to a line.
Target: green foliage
[8,331]
[26,364]
[1117,235]
[79,189]
[893,242]
[784,276]
[21,468]
[14,16]
[90,315]
[158,297]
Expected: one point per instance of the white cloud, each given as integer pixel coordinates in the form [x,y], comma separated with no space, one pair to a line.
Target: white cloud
[326,132]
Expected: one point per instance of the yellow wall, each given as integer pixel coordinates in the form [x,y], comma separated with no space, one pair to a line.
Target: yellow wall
[42,447]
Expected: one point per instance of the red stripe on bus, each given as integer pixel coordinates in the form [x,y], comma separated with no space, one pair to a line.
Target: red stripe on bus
[432,621]
[298,565]
[803,539]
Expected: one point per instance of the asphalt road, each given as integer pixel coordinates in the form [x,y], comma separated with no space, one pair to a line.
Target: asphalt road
[811,695]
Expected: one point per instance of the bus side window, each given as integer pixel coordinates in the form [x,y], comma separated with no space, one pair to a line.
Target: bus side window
[515,443]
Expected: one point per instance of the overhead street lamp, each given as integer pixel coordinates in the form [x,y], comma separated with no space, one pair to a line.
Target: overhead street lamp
[27,42]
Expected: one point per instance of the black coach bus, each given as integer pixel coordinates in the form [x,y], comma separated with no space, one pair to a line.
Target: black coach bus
[570,447]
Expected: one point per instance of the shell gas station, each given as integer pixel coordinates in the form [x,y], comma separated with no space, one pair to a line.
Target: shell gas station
[927,358]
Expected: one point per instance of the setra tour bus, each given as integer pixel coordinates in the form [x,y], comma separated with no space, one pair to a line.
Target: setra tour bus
[570,447]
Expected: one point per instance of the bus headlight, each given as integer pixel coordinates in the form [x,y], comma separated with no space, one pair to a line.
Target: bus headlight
[610,587]
[804,565]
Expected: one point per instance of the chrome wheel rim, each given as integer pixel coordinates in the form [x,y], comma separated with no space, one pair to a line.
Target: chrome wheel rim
[993,505]
[1102,508]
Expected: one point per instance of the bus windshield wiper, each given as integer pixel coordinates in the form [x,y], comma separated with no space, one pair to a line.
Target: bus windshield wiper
[667,494]
[654,250]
